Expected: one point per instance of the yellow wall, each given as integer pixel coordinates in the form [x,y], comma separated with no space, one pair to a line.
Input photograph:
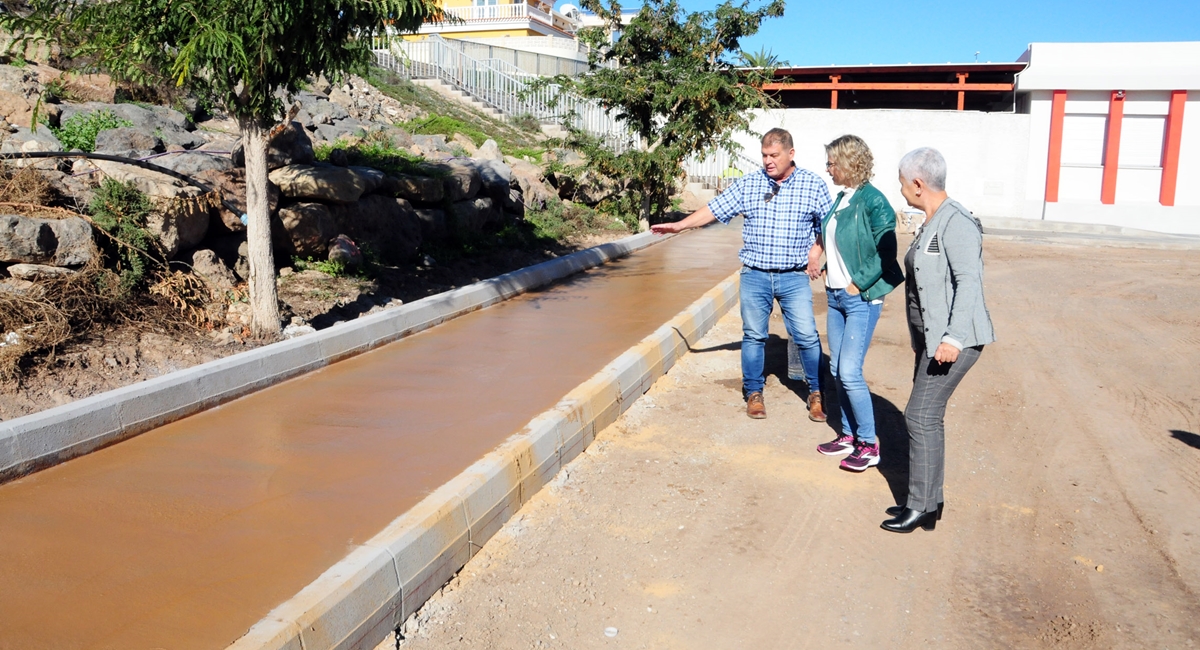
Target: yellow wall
[495,33]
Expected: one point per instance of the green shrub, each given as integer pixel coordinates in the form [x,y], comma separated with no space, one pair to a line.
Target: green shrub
[79,131]
[376,151]
[328,267]
[447,126]
[120,211]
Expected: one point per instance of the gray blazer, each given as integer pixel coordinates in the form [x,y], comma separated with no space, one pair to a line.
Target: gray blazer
[948,267]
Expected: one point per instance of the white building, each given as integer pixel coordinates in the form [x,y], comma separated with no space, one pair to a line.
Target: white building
[1114,134]
[1102,133]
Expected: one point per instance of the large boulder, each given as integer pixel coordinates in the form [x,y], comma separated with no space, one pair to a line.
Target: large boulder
[329,184]
[26,141]
[180,218]
[171,126]
[191,163]
[489,150]
[431,143]
[38,272]
[383,224]
[288,146]
[230,187]
[341,129]
[534,191]
[470,216]
[417,189]
[433,223]
[128,142]
[460,181]
[20,94]
[372,178]
[310,228]
[495,177]
[209,266]
[54,242]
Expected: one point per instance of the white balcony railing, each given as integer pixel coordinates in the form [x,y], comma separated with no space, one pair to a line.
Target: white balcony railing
[490,13]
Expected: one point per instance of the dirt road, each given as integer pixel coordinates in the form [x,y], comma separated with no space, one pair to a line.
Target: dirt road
[1072,514]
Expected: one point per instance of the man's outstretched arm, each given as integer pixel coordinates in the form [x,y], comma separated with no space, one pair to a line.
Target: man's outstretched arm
[701,217]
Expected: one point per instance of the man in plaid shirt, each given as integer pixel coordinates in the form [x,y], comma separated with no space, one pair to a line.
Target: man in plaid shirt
[781,250]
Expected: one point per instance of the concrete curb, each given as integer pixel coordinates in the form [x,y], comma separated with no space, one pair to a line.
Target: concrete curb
[1031,230]
[368,594]
[50,437]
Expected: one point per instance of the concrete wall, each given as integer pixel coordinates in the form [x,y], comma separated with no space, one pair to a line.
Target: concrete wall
[987,153]
[1138,175]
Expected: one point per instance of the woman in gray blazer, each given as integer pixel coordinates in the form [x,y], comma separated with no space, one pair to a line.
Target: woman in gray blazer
[948,323]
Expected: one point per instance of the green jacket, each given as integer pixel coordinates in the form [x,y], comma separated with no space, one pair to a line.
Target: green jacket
[866,239]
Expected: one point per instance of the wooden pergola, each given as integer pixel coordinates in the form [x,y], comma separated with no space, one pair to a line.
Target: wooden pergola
[997,77]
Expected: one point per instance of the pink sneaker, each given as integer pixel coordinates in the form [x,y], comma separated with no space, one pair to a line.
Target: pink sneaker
[862,457]
[843,444]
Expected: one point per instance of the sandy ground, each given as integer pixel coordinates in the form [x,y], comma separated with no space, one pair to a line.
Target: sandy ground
[1072,518]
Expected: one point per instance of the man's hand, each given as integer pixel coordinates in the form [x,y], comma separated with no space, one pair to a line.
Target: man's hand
[701,217]
[945,353]
[852,289]
[814,260]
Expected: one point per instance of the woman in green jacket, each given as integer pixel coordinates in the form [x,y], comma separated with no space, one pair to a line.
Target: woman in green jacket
[860,269]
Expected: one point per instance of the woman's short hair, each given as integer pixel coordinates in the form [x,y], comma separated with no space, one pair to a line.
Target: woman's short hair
[926,164]
[853,157]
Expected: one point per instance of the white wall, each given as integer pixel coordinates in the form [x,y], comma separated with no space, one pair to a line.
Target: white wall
[1139,175]
[986,153]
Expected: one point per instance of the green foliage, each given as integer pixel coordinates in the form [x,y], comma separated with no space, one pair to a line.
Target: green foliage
[558,222]
[120,211]
[676,84]
[447,126]
[241,51]
[532,154]
[376,150]
[763,58]
[334,268]
[80,131]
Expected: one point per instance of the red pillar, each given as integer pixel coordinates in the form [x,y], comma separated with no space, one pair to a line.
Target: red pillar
[1172,136]
[962,96]
[1112,147]
[833,79]
[1054,158]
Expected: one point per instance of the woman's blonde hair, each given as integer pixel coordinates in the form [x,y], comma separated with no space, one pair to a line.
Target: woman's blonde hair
[853,157]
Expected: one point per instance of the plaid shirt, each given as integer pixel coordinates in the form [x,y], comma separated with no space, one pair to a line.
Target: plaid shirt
[782,219]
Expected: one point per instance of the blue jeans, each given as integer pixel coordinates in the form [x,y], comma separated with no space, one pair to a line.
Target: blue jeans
[759,291]
[850,326]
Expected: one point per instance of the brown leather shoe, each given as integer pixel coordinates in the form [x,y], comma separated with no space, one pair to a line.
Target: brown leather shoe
[755,407]
[816,412]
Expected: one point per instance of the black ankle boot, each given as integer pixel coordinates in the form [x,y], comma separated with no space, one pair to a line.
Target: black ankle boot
[910,520]
[895,511]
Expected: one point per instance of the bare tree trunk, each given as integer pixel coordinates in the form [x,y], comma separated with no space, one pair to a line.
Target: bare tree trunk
[264,301]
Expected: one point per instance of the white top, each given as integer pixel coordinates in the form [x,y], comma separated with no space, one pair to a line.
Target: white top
[837,276]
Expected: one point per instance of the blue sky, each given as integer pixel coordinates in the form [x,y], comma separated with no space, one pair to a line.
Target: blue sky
[841,32]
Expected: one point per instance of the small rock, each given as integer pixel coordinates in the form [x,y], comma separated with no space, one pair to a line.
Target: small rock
[55,242]
[37,272]
[489,150]
[207,265]
[292,331]
[343,250]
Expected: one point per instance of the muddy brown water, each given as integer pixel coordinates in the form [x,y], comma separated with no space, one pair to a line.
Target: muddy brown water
[185,536]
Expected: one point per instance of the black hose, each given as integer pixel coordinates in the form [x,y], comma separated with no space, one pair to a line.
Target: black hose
[121,159]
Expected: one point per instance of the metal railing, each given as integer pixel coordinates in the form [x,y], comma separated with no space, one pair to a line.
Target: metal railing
[718,169]
[507,88]
[501,85]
